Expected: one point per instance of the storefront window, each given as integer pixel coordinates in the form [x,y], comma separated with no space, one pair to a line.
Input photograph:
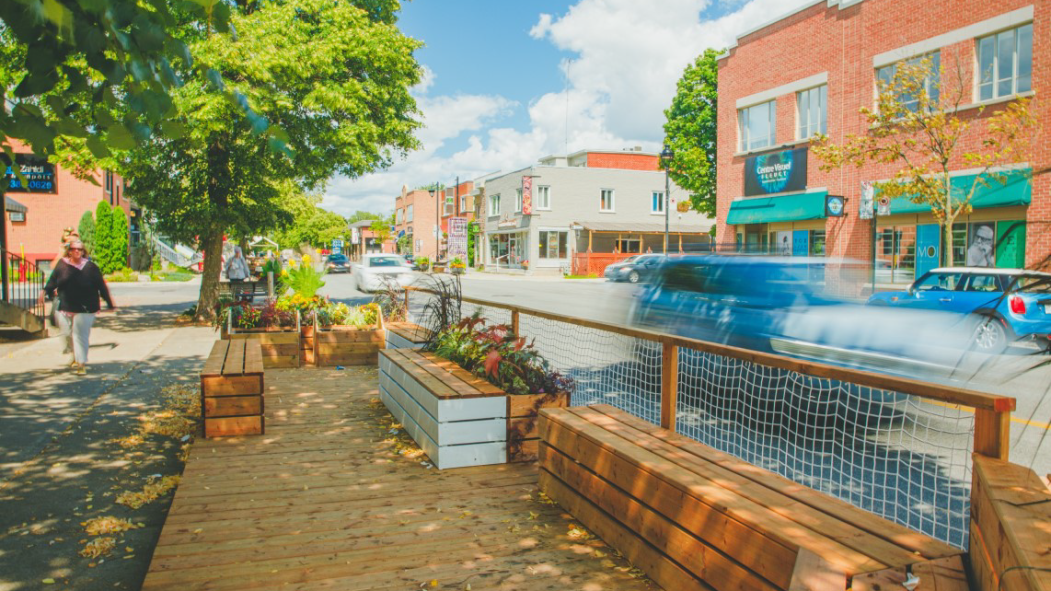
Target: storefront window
[507,250]
[896,254]
[817,243]
[554,245]
[632,245]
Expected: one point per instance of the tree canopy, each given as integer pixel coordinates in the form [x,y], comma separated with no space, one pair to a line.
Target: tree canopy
[311,224]
[690,130]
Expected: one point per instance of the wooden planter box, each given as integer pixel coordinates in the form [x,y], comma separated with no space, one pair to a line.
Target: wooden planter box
[457,418]
[281,348]
[347,345]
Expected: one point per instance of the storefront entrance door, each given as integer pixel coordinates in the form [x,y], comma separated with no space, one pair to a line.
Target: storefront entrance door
[928,248]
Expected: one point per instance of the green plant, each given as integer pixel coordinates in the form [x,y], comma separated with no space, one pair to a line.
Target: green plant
[86,229]
[497,355]
[305,281]
[457,263]
[423,263]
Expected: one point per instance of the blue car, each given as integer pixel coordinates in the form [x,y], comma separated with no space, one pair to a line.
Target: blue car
[1006,306]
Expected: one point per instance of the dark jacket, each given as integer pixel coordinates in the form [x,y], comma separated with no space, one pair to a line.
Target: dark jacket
[78,289]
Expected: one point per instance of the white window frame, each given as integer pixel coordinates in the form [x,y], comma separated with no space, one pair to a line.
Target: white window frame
[804,127]
[545,191]
[927,82]
[612,201]
[542,246]
[494,205]
[657,197]
[463,203]
[994,82]
[408,214]
[518,200]
[743,115]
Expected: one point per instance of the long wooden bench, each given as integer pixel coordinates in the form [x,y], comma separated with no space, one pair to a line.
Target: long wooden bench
[692,517]
[232,389]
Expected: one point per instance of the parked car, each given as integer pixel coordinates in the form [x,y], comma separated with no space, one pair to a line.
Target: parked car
[634,269]
[1004,306]
[377,271]
[337,263]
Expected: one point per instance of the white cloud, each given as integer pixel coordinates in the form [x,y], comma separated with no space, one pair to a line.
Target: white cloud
[626,59]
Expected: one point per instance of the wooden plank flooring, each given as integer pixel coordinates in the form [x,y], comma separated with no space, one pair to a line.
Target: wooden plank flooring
[329,499]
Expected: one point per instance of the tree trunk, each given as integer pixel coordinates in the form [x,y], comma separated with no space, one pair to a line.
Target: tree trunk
[213,261]
[947,257]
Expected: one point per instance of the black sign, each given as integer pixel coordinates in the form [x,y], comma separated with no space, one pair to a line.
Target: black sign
[834,206]
[39,174]
[777,172]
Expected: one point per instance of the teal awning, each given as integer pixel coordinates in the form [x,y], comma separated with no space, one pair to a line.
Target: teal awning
[1011,188]
[788,208]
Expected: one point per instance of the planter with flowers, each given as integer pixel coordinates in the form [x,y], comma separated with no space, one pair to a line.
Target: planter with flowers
[457,266]
[472,395]
[277,330]
[347,335]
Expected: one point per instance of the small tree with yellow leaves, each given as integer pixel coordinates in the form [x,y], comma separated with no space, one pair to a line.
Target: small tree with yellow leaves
[917,124]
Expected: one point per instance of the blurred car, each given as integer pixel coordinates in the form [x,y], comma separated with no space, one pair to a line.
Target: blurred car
[378,271]
[634,269]
[408,259]
[1004,306]
[337,263]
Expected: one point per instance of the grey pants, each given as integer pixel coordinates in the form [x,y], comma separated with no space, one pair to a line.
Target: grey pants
[77,329]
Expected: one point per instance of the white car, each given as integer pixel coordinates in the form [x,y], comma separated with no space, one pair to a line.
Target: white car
[375,271]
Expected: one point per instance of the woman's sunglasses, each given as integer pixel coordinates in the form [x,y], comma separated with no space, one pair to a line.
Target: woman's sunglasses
[76,250]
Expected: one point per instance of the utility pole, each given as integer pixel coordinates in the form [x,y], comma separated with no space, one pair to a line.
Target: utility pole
[437,220]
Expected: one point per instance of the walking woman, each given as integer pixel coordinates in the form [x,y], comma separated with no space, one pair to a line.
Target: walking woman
[79,284]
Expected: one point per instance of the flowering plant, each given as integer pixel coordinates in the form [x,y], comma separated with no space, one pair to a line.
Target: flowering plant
[457,263]
[243,315]
[497,355]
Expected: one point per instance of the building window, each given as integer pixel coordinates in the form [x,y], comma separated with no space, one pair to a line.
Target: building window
[606,200]
[494,205]
[408,214]
[518,200]
[757,126]
[657,202]
[812,112]
[398,216]
[449,203]
[817,243]
[1005,63]
[463,203]
[554,245]
[543,197]
[628,245]
[931,83]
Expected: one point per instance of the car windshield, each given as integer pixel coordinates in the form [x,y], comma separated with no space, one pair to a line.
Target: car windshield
[337,258]
[385,262]
[1034,284]
[939,282]
[631,259]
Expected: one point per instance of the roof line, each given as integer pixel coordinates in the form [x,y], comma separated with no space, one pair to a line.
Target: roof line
[829,3]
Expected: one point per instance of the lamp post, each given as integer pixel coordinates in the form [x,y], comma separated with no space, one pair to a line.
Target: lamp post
[437,221]
[666,156]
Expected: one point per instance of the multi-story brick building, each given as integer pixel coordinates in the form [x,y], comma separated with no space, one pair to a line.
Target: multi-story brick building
[56,199]
[813,69]
[416,218]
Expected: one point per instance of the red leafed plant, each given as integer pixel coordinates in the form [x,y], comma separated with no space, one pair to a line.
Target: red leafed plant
[494,353]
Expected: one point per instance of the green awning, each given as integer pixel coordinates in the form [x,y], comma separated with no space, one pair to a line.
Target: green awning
[1011,188]
[788,208]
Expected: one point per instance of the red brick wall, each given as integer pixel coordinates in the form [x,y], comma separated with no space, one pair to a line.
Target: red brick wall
[48,214]
[623,160]
[843,43]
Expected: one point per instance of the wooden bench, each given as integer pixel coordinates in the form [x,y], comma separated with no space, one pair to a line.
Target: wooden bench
[232,389]
[244,290]
[406,335]
[692,517]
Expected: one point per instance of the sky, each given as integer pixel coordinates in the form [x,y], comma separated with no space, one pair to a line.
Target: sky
[508,82]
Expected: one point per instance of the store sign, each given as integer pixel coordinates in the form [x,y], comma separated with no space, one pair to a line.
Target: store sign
[527,195]
[868,204]
[834,206]
[457,245]
[507,222]
[337,246]
[39,174]
[883,206]
[778,172]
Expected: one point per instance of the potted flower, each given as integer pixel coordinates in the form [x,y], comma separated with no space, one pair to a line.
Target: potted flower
[348,335]
[525,265]
[276,329]
[422,263]
[457,266]
[491,386]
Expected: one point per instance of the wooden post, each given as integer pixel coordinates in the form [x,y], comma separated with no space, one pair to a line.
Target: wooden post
[514,323]
[669,385]
[406,290]
[992,430]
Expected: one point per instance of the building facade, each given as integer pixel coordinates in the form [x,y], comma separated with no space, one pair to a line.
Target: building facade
[812,71]
[539,218]
[415,220]
[53,200]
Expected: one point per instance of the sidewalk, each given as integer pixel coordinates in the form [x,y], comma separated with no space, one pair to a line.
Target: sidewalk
[59,462]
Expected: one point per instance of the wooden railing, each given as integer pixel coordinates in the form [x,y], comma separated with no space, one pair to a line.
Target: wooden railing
[992,412]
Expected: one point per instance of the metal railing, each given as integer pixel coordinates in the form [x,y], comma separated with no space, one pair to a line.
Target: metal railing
[172,255]
[898,447]
[23,283]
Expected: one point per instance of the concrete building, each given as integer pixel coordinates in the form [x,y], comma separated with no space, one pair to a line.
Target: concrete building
[812,70]
[591,202]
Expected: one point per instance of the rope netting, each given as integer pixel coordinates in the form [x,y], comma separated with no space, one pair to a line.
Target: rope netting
[899,456]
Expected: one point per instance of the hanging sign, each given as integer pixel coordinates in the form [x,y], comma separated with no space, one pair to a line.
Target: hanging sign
[527,195]
[457,243]
[834,206]
[868,205]
[777,172]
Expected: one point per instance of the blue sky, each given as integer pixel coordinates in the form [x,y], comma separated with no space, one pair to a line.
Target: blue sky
[508,82]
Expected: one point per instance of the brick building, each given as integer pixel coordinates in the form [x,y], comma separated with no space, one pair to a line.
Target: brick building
[56,200]
[415,218]
[813,69]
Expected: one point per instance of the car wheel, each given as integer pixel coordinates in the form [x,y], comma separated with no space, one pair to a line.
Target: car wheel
[633,277]
[990,335]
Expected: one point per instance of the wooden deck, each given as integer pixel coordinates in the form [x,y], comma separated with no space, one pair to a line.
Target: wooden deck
[329,499]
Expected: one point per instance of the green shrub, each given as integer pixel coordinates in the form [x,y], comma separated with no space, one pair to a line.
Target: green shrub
[305,281]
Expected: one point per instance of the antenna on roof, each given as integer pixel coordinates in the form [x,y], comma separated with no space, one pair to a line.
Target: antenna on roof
[565,77]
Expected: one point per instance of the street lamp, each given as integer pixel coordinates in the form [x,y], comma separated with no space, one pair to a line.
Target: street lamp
[666,156]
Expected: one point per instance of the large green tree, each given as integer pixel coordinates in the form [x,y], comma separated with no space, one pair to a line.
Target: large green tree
[333,76]
[690,130]
[311,224]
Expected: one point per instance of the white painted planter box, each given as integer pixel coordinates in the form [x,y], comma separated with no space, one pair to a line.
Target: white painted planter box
[403,335]
[453,429]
